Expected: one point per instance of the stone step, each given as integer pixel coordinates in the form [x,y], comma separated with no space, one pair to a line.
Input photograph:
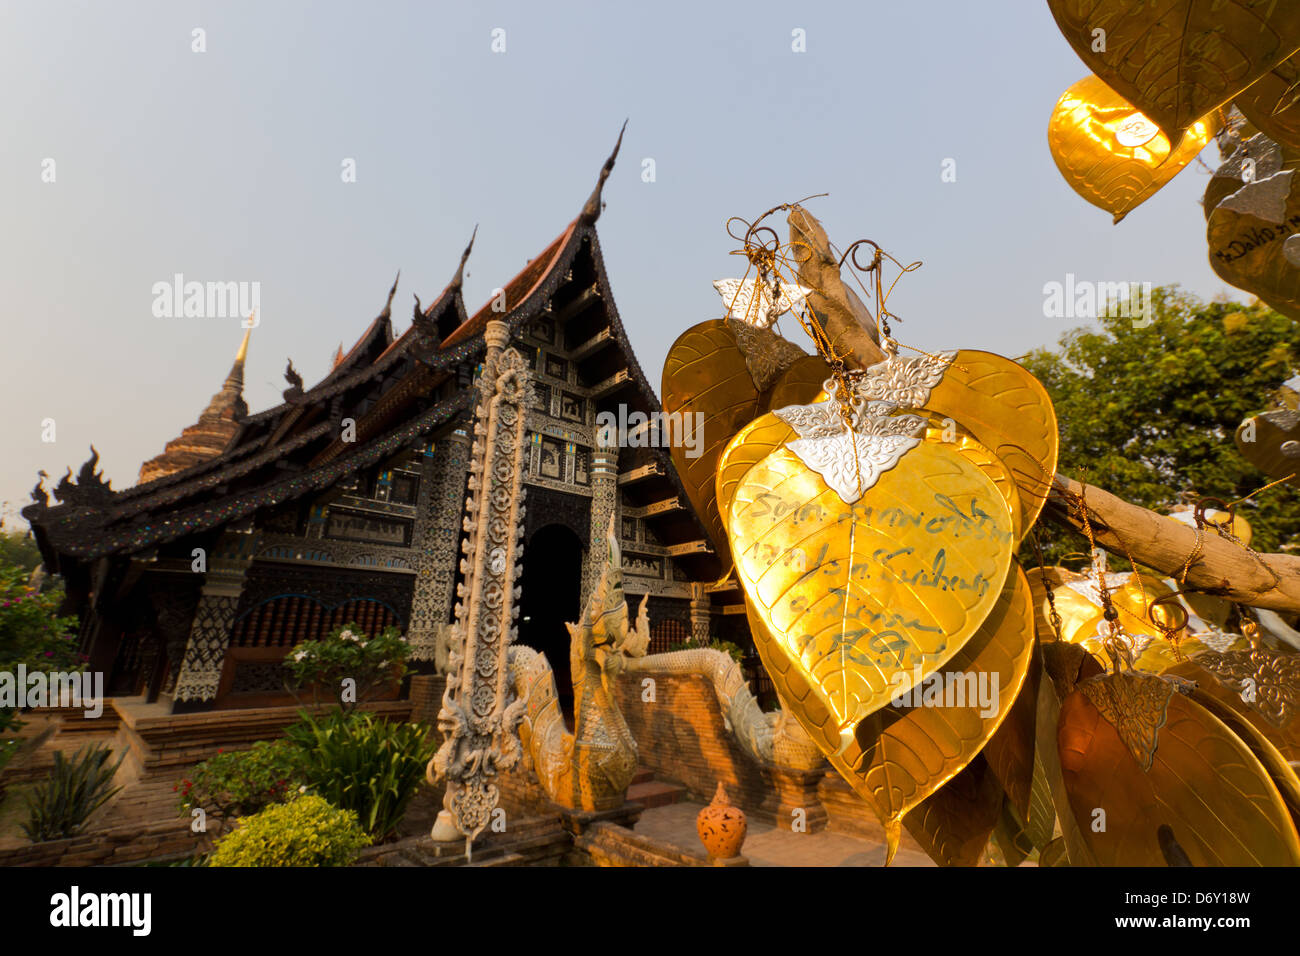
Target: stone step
[656,793]
[642,775]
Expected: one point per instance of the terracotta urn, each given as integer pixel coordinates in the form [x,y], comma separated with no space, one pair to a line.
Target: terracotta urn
[721,827]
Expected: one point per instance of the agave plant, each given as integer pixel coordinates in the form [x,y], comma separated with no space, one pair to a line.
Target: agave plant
[75,789]
[363,763]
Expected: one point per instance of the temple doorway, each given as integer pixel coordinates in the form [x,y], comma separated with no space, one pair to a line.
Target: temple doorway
[552,587]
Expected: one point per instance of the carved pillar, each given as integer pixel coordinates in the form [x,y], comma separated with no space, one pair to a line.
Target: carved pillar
[439,512]
[604,504]
[701,614]
[478,717]
[205,652]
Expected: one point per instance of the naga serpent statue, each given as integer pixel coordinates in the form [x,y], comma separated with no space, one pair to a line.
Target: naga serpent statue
[590,769]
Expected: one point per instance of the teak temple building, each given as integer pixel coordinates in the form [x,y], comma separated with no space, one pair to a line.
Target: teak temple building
[345,503]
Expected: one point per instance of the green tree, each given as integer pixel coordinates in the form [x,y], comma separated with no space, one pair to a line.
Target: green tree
[1149,413]
[18,549]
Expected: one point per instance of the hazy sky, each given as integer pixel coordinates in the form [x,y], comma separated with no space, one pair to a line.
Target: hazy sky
[226,165]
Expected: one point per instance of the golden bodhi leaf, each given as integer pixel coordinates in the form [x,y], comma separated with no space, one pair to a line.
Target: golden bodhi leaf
[1010,412]
[746,449]
[801,696]
[798,384]
[903,753]
[706,373]
[1201,780]
[1261,684]
[1271,442]
[1249,235]
[766,433]
[1177,60]
[953,826]
[856,595]
[1112,155]
[1275,762]
[1272,103]
[1010,751]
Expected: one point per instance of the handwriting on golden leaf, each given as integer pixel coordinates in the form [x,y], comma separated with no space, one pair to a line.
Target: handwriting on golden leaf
[856,595]
[1008,411]
[904,753]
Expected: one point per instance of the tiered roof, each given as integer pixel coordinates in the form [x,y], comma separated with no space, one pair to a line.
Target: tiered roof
[397,390]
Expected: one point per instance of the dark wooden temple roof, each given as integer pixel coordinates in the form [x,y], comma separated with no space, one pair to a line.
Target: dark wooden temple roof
[397,390]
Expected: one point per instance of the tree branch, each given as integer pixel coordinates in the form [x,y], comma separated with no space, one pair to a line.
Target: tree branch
[1221,567]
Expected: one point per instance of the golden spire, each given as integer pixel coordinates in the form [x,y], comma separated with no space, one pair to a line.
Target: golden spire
[236,376]
[243,346]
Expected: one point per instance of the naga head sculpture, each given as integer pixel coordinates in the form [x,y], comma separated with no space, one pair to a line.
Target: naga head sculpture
[604,634]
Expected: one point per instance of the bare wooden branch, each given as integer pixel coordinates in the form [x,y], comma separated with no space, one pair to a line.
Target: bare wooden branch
[846,320]
[1221,567]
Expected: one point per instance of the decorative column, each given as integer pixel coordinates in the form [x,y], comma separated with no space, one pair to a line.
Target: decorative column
[205,652]
[604,505]
[439,511]
[479,720]
[701,613]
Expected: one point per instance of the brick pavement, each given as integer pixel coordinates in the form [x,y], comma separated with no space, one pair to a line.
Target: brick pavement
[765,845]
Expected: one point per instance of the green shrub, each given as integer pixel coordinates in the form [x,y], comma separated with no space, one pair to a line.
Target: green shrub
[365,764]
[74,790]
[242,782]
[348,654]
[307,831]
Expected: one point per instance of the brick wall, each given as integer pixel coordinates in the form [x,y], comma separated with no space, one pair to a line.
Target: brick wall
[426,698]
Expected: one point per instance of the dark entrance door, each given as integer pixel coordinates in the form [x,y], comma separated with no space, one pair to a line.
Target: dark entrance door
[552,586]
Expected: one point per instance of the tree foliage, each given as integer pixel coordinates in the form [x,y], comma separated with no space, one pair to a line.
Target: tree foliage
[1149,413]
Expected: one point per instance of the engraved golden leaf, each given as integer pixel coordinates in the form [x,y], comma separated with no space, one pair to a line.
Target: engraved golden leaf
[857,595]
[1177,60]
[1204,783]
[1279,769]
[1272,103]
[1227,688]
[705,372]
[766,433]
[1274,447]
[798,384]
[953,826]
[901,755]
[1007,410]
[1010,751]
[1111,154]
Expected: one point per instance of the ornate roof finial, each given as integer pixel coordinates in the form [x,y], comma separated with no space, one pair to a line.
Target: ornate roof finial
[294,391]
[459,277]
[591,211]
[388,306]
[39,494]
[338,357]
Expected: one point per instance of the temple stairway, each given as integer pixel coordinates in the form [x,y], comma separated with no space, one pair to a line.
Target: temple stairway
[645,789]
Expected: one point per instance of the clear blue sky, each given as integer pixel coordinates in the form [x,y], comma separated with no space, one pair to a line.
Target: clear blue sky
[225,165]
